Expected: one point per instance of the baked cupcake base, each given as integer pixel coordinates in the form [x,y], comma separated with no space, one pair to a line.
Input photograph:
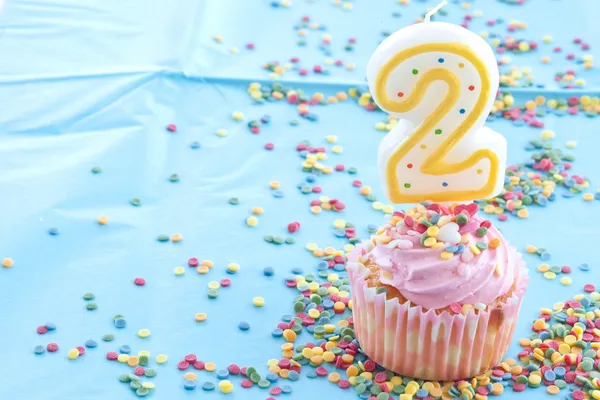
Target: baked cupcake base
[431,344]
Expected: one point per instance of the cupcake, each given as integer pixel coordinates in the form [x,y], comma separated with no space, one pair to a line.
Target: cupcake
[436,293]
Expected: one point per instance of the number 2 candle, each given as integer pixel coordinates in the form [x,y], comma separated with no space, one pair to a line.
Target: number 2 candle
[440,80]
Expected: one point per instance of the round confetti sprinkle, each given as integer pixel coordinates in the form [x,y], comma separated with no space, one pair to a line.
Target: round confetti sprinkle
[244,326]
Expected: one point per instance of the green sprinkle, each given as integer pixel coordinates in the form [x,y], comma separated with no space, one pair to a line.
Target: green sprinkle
[96,170]
[462,219]
[135,385]
[234,201]
[135,202]
[290,240]
[117,316]
[268,238]
[174,178]
[352,170]
[213,293]
[162,238]
[263,384]
[108,337]
[415,71]
[124,378]
[481,245]
[144,359]
[89,296]
[91,306]
[407,185]
[438,131]
[142,392]
[150,372]
[277,240]
[481,232]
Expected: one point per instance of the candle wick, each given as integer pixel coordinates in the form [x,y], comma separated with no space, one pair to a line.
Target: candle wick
[434,10]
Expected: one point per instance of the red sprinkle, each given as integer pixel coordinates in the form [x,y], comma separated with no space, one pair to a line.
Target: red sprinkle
[344,384]
[191,358]
[321,371]
[199,365]
[370,365]
[81,350]
[293,227]
[41,329]
[183,365]
[519,387]
[111,355]
[139,281]
[233,369]
[589,288]
[247,383]
[275,391]
[193,262]
[139,371]
[269,146]
[172,127]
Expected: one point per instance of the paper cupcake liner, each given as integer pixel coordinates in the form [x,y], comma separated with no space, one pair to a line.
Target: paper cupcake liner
[424,345]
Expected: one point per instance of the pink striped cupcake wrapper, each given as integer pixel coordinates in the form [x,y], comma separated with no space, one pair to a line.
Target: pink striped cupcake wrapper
[424,345]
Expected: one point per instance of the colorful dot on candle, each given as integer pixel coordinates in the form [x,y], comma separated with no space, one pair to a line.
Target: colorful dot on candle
[415,71]
[444,184]
[471,88]
[440,60]
[400,94]
[407,185]
[461,65]
[480,171]
[423,146]
[462,111]
[438,131]
[409,166]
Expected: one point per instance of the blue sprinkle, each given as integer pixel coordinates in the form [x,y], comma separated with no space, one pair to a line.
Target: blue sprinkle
[544,335]
[195,145]
[311,178]
[585,302]
[569,182]
[339,267]
[452,249]
[372,227]
[542,201]
[462,111]
[222,374]
[545,256]
[597,196]
[277,193]
[550,375]
[120,323]
[297,271]
[39,349]
[268,271]
[208,386]
[322,266]
[310,329]
[90,344]
[560,371]
[265,119]
[244,326]
[341,233]
[53,231]
[327,304]
[189,384]
[435,218]
[271,377]
[441,61]
[293,376]
[422,393]
[285,388]
[50,326]
[310,374]
[568,195]
[552,197]
[124,349]
[584,267]
[324,321]
[444,184]
[461,248]
[277,333]
[287,317]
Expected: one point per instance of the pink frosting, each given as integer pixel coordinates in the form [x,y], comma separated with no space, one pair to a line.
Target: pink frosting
[424,278]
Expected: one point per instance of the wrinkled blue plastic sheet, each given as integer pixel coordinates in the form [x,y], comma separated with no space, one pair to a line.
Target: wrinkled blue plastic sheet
[85,84]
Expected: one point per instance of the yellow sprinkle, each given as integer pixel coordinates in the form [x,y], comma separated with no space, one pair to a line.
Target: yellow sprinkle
[549,275]
[161,358]
[433,231]
[233,267]
[337,149]
[274,185]
[214,285]
[553,389]
[258,301]
[226,386]
[73,354]
[203,269]
[547,134]
[148,385]
[133,361]
[429,242]
[176,237]
[210,366]
[103,220]
[144,333]
[251,221]
[445,255]
[122,358]
[571,144]
[179,271]
[543,267]
[566,281]
[237,115]
[334,377]
[588,196]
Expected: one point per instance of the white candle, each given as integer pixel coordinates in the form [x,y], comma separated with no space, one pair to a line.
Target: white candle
[440,80]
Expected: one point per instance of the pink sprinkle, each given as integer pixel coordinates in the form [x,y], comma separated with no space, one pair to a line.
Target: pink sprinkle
[183,365]
[370,107]
[225,282]
[275,391]
[139,371]
[293,227]
[557,49]
[577,394]
[344,384]
[246,383]
[303,71]
[577,40]
[172,127]
[81,350]
[339,63]
[321,371]
[585,46]
[294,59]
[191,358]
[356,183]
[139,281]
[199,365]
[339,206]
[269,146]
[250,46]
[111,355]
[589,288]
[317,189]
[456,308]
[491,22]
[352,40]
[339,167]
[570,56]
[317,69]
[502,217]
[255,130]
[41,329]
[566,269]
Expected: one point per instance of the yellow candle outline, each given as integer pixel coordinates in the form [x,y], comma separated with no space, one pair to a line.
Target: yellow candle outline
[434,164]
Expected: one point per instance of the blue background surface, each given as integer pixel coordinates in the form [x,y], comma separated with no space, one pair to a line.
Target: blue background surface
[95,84]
